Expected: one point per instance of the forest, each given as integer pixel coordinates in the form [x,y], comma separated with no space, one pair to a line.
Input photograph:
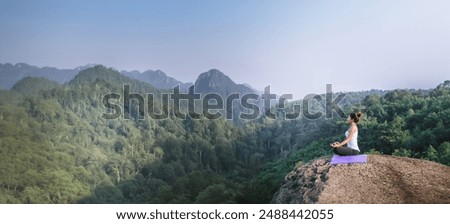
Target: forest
[56,148]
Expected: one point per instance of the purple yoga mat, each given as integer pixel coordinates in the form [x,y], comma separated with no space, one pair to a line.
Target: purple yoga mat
[336,159]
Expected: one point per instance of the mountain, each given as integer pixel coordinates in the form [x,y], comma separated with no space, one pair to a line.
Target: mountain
[384,179]
[157,78]
[33,85]
[108,77]
[214,81]
[208,82]
[251,87]
[10,74]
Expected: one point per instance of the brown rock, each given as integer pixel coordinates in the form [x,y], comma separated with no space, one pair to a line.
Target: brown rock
[382,180]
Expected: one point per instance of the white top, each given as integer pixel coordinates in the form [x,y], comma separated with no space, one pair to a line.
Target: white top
[353,143]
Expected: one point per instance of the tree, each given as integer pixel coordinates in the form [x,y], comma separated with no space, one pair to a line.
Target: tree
[402,152]
[216,194]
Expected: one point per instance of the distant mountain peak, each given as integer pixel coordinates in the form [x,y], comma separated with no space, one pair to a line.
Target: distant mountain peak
[215,81]
[97,72]
[108,78]
[213,73]
[157,78]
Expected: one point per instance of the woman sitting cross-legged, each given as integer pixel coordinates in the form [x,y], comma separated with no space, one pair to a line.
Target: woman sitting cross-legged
[351,138]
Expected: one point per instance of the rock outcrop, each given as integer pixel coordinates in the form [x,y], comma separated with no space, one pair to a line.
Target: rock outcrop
[382,180]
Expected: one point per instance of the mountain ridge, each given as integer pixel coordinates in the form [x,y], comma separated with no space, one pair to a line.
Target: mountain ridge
[157,78]
[11,74]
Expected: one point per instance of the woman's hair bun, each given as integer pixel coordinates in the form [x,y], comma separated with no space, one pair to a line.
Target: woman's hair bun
[356,116]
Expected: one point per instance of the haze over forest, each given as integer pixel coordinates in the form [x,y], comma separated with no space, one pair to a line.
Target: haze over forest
[58,61]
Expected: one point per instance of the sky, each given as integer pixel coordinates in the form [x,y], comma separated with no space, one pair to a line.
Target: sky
[296,47]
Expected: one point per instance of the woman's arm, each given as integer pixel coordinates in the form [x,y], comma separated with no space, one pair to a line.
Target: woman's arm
[350,135]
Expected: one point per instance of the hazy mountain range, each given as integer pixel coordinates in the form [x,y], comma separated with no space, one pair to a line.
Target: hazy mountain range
[10,74]
[207,82]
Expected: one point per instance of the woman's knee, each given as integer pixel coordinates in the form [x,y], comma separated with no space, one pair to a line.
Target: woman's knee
[345,151]
[335,150]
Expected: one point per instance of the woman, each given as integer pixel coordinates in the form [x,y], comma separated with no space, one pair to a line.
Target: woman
[351,138]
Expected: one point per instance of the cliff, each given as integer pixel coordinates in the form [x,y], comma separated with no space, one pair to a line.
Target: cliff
[382,180]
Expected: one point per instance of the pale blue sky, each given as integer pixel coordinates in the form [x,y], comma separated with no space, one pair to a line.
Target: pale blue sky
[294,46]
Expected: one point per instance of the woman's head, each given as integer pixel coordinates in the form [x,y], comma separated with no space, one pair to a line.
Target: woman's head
[354,117]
